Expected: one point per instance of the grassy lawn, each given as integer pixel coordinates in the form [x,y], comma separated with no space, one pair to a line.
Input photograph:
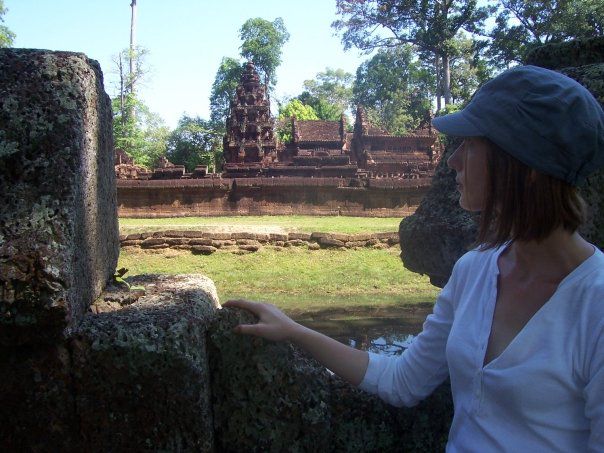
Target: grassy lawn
[309,224]
[298,280]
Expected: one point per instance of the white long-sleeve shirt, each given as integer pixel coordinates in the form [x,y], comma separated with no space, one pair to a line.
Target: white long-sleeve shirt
[545,392]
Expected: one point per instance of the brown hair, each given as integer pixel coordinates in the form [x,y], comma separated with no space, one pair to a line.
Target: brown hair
[522,204]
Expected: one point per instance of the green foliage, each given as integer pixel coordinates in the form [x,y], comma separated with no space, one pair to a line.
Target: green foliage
[138,131]
[223,89]
[293,108]
[395,89]
[193,142]
[428,25]
[521,26]
[329,94]
[6,36]
[468,69]
[262,41]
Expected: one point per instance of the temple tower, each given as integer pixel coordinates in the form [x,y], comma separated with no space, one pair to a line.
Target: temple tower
[249,143]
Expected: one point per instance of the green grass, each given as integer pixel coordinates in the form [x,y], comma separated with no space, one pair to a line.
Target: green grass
[298,280]
[330,224]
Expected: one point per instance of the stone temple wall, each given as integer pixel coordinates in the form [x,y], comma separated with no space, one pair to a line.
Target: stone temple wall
[440,231]
[386,197]
[91,365]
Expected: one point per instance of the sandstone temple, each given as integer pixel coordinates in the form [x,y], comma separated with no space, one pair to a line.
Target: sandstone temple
[391,173]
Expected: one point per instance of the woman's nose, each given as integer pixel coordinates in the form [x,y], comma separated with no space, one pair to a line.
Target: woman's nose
[454,159]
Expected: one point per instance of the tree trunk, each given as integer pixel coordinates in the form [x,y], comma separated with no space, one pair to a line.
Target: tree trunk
[132,41]
[438,83]
[132,54]
[446,79]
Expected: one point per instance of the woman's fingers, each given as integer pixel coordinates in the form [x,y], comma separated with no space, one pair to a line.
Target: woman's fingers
[248,329]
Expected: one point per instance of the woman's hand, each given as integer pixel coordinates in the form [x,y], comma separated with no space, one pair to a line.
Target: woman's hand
[348,363]
[273,324]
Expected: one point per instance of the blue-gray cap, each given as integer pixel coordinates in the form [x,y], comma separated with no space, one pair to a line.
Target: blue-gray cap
[546,120]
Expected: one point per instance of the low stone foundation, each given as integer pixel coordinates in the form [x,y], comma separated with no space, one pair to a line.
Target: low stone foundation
[206,243]
[386,197]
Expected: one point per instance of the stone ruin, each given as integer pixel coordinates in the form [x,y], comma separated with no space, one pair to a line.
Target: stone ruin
[318,148]
[440,231]
[88,364]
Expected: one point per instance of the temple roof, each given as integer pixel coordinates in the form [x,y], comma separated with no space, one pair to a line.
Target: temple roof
[318,130]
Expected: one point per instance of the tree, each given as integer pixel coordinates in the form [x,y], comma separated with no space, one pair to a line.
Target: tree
[395,89]
[194,142]
[143,136]
[523,25]
[429,25]
[329,93]
[262,43]
[128,78]
[223,89]
[468,69]
[293,108]
[6,36]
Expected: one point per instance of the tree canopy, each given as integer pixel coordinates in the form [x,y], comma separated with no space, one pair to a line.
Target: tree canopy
[223,89]
[395,88]
[194,142]
[329,93]
[296,108]
[429,25]
[523,25]
[6,36]
[262,42]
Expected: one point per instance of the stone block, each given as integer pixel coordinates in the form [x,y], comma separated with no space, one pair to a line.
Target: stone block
[269,396]
[58,224]
[313,246]
[141,376]
[299,236]
[150,242]
[131,243]
[203,249]
[173,234]
[201,241]
[250,247]
[274,237]
[329,242]
[219,236]
[171,241]
[247,242]
[193,234]
[133,377]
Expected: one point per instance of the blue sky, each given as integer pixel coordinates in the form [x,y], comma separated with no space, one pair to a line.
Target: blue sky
[186,40]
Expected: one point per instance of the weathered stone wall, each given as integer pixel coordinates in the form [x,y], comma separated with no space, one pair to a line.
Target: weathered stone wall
[440,231]
[388,197]
[207,243]
[132,376]
[58,226]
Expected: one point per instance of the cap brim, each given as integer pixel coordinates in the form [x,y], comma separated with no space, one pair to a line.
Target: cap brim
[456,124]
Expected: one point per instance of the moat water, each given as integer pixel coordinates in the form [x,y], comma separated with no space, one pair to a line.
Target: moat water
[387,333]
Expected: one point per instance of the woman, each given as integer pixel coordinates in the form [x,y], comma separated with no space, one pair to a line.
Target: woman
[519,327]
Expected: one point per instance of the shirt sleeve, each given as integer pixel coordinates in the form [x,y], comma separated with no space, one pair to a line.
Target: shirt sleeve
[407,379]
[594,394]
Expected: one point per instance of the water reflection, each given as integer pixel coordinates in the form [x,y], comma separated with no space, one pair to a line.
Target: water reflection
[390,334]
[388,345]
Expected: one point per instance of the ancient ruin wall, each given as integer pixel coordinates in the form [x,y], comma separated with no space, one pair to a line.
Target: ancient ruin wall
[269,196]
[58,228]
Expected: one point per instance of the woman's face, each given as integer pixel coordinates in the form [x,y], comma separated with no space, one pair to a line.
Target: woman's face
[470,163]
